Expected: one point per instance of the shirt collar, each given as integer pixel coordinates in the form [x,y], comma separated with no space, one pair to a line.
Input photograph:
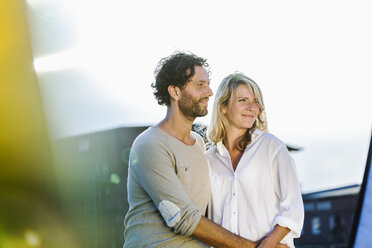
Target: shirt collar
[221,149]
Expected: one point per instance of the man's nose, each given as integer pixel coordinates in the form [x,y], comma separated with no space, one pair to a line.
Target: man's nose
[209,91]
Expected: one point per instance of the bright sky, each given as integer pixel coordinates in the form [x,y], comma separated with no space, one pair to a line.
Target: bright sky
[312,60]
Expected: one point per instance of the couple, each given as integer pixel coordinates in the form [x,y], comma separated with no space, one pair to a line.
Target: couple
[243,192]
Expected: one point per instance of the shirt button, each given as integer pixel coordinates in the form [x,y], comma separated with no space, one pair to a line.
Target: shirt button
[233,194]
[234,212]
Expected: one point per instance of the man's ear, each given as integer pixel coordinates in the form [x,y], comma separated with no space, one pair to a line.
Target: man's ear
[174,92]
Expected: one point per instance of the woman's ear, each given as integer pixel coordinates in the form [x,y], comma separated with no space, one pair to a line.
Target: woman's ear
[174,92]
[223,109]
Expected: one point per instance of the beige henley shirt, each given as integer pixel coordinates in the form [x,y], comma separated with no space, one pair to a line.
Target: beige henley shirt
[168,191]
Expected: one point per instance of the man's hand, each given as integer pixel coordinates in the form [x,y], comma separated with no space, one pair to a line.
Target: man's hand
[273,239]
[281,246]
[212,234]
[267,245]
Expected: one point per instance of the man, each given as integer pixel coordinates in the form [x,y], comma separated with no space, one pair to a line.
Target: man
[168,178]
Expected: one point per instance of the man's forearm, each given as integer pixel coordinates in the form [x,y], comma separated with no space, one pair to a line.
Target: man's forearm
[274,237]
[212,234]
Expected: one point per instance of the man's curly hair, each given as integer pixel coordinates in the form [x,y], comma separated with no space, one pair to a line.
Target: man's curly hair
[176,69]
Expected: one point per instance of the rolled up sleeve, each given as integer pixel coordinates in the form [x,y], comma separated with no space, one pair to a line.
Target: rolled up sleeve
[291,210]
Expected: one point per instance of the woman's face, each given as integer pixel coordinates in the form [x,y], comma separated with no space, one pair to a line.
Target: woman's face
[242,109]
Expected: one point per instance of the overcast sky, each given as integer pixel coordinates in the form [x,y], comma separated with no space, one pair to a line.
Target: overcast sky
[312,60]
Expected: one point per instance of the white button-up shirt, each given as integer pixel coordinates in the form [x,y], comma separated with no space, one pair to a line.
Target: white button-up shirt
[263,190]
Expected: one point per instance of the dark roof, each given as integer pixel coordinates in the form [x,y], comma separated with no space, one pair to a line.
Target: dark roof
[342,191]
[292,148]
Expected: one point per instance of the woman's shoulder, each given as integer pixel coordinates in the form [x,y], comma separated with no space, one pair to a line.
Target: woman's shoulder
[267,137]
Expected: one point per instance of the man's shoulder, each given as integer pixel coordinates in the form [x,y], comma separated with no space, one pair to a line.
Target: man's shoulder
[197,137]
[211,151]
[150,146]
[151,137]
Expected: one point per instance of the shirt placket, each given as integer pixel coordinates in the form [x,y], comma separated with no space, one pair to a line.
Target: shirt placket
[234,206]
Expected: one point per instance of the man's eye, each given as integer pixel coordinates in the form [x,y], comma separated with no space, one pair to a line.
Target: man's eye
[242,100]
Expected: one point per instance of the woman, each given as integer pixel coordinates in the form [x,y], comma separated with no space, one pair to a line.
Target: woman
[255,189]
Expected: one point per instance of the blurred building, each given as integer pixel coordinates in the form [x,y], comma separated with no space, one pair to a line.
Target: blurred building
[92,172]
[328,217]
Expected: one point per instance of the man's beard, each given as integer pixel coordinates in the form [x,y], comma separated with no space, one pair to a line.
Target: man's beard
[190,108]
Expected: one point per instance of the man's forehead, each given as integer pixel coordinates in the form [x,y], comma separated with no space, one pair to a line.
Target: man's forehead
[201,74]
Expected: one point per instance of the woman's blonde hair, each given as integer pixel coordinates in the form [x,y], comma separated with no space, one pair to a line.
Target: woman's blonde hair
[219,123]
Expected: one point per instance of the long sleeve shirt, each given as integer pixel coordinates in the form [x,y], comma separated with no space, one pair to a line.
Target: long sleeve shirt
[168,191]
[263,190]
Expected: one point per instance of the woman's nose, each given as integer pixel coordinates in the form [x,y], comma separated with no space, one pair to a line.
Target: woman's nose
[251,105]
